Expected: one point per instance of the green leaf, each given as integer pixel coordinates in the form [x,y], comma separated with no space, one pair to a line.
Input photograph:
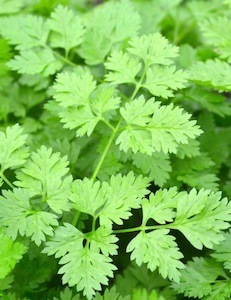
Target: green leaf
[13,152]
[104,99]
[67,28]
[124,67]
[111,202]
[200,179]
[160,81]
[156,166]
[164,129]
[160,207]
[66,294]
[10,6]
[222,251]
[217,32]
[118,21]
[221,290]
[102,45]
[107,27]
[158,250]
[102,240]
[73,90]
[153,49]
[140,277]
[67,238]
[82,105]
[29,32]
[82,266]
[144,295]
[10,253]
[198,278]
[5,283]
[45,175]
[192,149]
[34,62]
[212,101]
[202,216]
[5,52]
[110,295]
[138,111]
[187,55]
[215,74]
[18,216]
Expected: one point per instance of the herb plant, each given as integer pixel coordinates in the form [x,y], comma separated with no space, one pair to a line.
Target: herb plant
[114,150]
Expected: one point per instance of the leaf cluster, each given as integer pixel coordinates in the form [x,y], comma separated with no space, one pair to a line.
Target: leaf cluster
[115,150]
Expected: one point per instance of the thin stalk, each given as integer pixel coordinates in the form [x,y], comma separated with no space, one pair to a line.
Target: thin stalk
[76,218]
[106,149]
[93,224]
[140,228]
[64,59]
[6,180]
[108,124]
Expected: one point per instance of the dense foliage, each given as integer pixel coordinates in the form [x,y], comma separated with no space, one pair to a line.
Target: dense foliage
[115,130]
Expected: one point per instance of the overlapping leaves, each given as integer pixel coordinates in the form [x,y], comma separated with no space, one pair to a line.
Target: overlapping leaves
[156,55]
[201,217]
[13,151]
[81,104]
[111,202]
[83,266]
[19,216]
[44,175]
[152,127]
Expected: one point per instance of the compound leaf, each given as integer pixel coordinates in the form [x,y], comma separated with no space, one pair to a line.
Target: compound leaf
[202,216]
[124,67]
[44,175]
[222,251]
[31,62]
[18,216]
[10,253]
[29,32]
[153,49]
[102,240]
[82,106]
[217,31]
[67,29]
[164,130]
[67,294]
[111,295]
[108,25]
[156,166]
[112,201]
[160,81]
[82,266]
[158,250]
[13,151]
[102,45]
[160,207]
[215,74]
[10,6]
[198,277]
[73,90]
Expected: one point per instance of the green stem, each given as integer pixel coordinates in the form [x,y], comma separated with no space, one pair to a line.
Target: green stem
[140,228]
[64,59]
[106,149]
[93,224]
[108,124]
[76,218]
[6,180]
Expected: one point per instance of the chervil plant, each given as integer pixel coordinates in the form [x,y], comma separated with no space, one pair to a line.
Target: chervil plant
[114,150]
